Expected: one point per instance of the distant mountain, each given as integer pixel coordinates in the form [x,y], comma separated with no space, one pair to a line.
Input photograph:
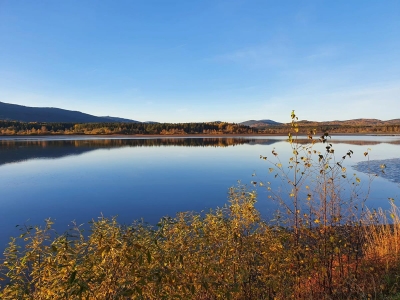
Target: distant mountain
[120,120]
[14,112]
[353,122]
[260,123]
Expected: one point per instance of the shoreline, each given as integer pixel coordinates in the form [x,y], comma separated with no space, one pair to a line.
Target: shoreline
[158,136]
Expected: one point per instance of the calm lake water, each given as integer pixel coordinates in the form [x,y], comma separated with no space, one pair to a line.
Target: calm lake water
[82,178]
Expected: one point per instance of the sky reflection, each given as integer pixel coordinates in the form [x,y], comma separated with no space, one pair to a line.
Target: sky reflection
[82,180]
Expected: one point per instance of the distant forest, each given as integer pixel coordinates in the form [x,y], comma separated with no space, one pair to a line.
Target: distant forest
[213,128]
[22,128]
[345,128]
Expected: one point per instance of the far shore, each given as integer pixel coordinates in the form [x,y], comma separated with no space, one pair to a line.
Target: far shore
[139,136]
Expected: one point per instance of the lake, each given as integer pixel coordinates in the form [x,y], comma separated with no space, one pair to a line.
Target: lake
[81,178]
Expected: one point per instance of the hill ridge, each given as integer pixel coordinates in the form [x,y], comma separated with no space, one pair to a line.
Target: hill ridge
[22,113]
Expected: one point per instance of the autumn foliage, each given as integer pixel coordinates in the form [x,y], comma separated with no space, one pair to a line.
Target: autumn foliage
[322,244]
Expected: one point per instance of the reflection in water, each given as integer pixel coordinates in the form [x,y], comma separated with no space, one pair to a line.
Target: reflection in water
[152,142]
[367,143]
[16,150]
[338,140]
[22,150]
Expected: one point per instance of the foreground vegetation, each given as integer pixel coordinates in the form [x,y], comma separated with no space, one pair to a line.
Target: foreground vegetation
[322,244]
[227,254]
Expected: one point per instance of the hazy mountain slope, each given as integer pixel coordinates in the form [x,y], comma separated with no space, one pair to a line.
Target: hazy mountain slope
[119,120]
[353,122]
[21,113]
[257,123]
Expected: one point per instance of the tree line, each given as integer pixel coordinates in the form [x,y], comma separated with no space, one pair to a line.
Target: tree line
[212,128]
[22,128]
[306,129]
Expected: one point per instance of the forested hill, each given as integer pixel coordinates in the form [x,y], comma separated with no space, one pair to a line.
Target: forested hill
[14,112]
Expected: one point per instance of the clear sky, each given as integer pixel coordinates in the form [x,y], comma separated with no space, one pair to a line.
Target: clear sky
[205,60]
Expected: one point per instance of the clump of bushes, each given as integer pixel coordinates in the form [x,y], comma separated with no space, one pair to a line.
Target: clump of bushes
[323,244]
[228,254]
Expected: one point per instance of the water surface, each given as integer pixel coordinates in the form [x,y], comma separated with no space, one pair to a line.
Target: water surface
[82,178]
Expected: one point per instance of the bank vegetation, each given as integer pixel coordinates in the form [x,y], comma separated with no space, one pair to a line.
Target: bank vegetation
[12,128]
[213,128]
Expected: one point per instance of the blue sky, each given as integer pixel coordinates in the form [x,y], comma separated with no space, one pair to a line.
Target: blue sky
[182,61]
